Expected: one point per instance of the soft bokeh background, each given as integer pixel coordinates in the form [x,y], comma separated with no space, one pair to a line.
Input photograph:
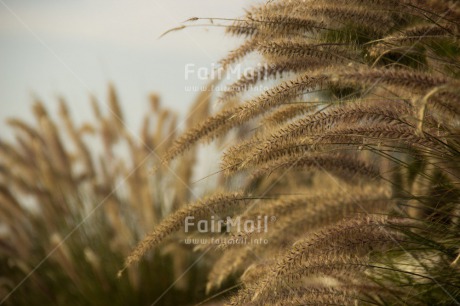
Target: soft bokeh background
[74,48]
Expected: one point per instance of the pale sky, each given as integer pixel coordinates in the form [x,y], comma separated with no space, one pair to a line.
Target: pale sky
[73,48]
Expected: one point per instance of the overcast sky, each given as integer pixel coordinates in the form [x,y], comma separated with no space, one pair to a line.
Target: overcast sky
[73,48]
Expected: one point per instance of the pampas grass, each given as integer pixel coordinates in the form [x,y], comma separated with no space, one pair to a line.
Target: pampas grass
[352,154]
[368,102]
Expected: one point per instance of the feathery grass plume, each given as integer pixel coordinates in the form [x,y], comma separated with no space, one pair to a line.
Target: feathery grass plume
[395,137]
[384,135]
[353,113]
[421,34]
[345,167]
[333,52]
[266,71]
[288,112]
[357,16]
[349,236]
[370,91]
[229,118]
[209,206]
[355,237]
[413,81]
[287,91]
[310,296]
[239,53]
[282,24]
[225,266]
[343,202]
[296,215]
